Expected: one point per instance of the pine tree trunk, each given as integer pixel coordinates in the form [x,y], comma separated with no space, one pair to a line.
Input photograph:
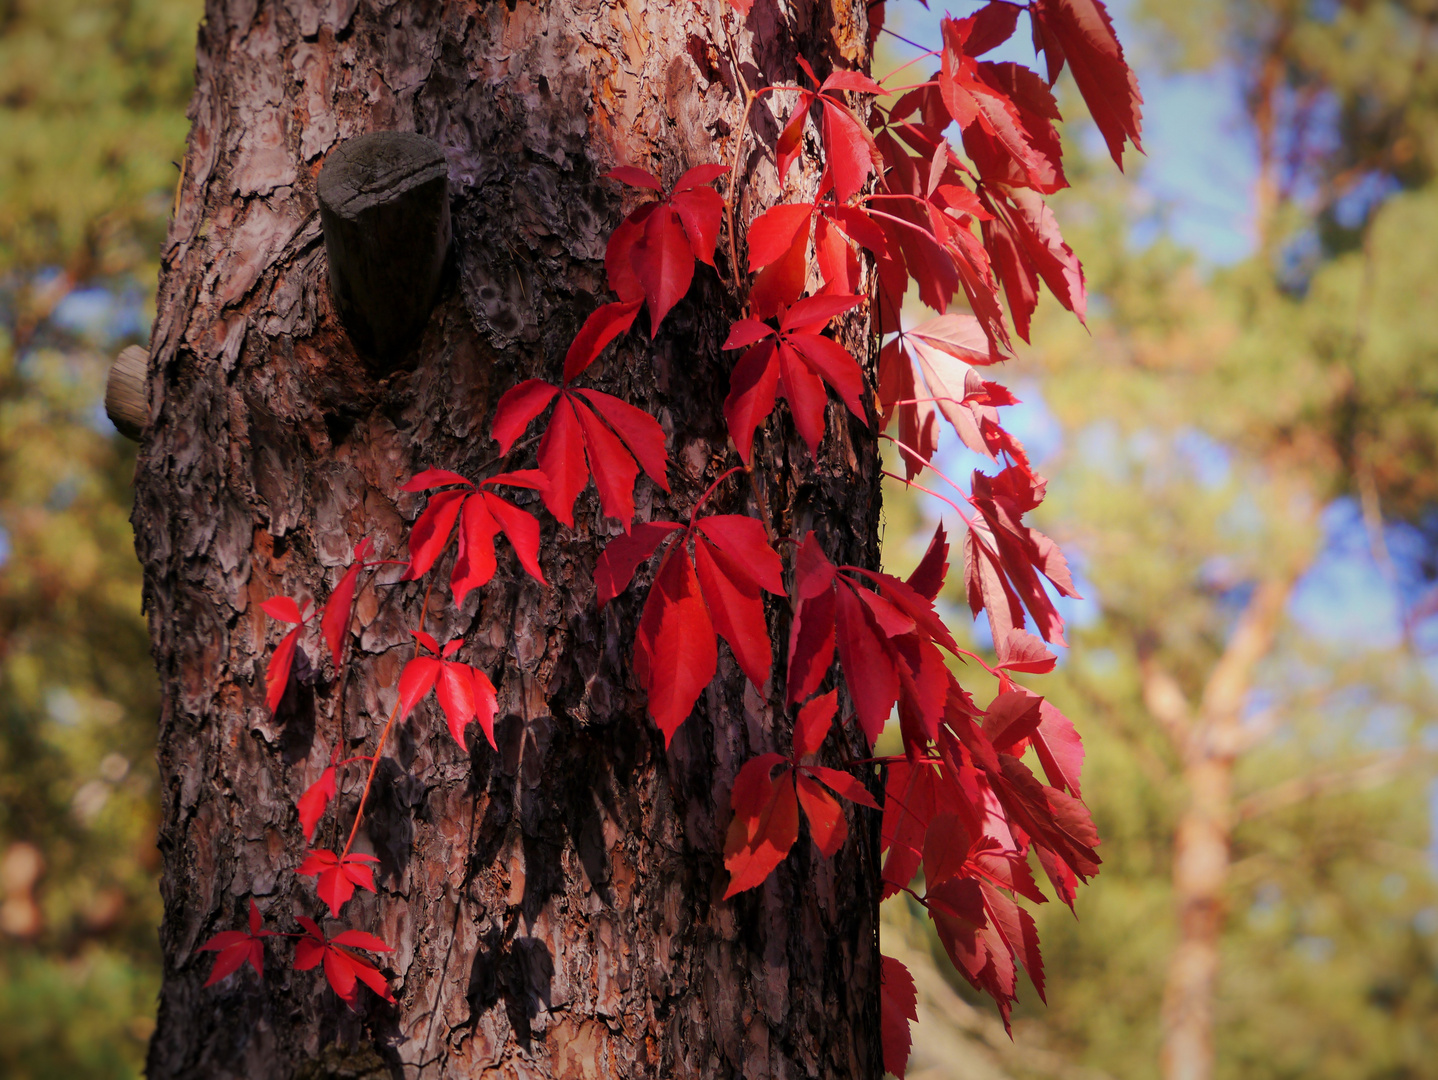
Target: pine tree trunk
[555,906]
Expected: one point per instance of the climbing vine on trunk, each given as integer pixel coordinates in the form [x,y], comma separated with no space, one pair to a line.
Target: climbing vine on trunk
[895,207]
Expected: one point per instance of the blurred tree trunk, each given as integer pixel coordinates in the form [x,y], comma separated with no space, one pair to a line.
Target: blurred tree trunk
[1208,745]
[553,906]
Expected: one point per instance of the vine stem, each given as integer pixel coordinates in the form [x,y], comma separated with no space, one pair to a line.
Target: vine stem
[369,780]
[383,736]
[750,96]
[927,491]
[929,464]
[694,514]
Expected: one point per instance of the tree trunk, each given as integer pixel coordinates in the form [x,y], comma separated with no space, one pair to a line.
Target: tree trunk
[554,906]
[1209,745]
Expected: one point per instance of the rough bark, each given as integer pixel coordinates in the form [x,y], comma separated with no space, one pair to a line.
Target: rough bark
[555,905]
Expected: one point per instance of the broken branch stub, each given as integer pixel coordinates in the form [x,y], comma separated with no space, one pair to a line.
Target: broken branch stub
[384,208]
[125,392]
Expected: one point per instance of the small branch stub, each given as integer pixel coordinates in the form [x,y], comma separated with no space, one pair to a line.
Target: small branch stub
[125,392]
[384,208]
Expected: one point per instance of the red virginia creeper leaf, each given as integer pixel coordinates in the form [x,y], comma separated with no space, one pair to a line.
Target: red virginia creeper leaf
[677,659]
[520,405]
[315,801]
[603,326]
[813,723]
[736,610]
[622,555]
[898,1005]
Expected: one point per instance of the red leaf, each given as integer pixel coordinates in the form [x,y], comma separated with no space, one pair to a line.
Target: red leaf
[664,264]
[856,81]
[431,532]
[743,539]
[752,389]
[622,556]
[869,670]
[736,610]
[814,313]
[358,939]
[277,671]
[315,801]
[603,326]
[342,968]
[928,577]
[335,622]
[961,336]
[618,264]
[991,26]
[848,150]
[1029,220]
[946,849]
[844,784]
[753,788]
[524,402]
[826,819]
[679,661]
[340,974]
[1081,31]
[811,645]
[773,233]
[310,949]
[634,177]
[781,282]
[455,690]
[837,260]
[522,529]
[529,479]
[700,210]
[898,1005]
[804,392]
[474,560]
[889,619]
[1017,930]
[237,948]
[909,806]
[338,876]
[433,478]
[613,469]
[415,682]
[833,363]
[813,572]
[791,139]
[750,854]
[486,706]
[1040,165]
[639,430]
[1021,651]
[282,608]
[746,332]
[561,457]
[700,175]
[1005,557]
[812,726]
[1059,748]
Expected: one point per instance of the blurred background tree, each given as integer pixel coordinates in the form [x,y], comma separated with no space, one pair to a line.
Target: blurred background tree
[92,115]
[1245,468]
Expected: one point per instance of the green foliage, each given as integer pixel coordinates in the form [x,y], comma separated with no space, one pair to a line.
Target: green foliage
[92,100]
[92,115]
